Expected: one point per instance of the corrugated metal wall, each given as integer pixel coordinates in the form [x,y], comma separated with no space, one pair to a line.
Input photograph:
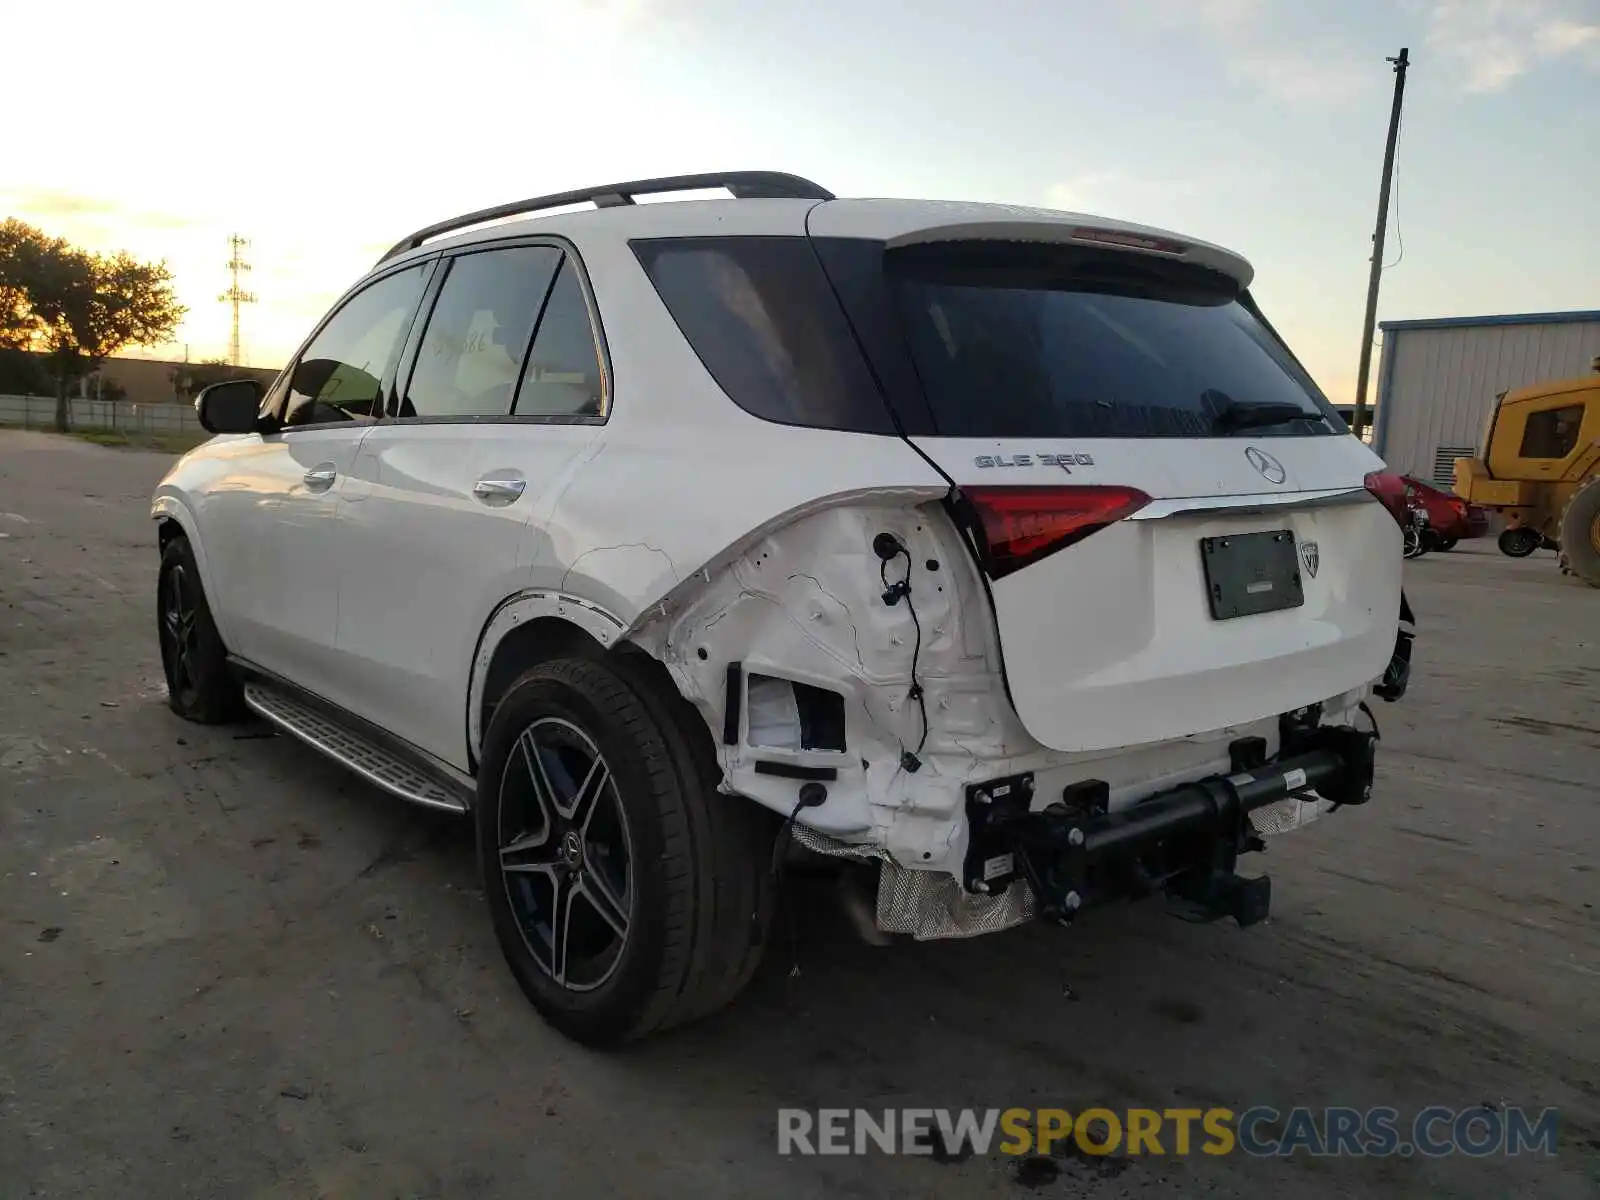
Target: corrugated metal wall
[1440,388]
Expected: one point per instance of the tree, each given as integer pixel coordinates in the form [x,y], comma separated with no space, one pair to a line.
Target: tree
[78,308]
[190,379]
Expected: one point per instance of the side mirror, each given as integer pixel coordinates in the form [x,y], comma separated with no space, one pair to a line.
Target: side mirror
[230,407]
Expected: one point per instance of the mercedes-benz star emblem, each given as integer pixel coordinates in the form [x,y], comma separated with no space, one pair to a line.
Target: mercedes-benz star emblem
[1269,467]
[572,848]
[1309,556]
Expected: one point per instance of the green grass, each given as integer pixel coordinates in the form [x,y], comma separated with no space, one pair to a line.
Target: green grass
[171,443]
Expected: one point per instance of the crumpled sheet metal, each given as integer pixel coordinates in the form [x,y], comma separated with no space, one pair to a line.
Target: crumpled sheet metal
[1287,815]
[928,905]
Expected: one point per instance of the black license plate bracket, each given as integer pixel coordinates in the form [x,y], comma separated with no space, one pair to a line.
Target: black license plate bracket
[1252,573]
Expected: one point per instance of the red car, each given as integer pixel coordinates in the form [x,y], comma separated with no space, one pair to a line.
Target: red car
[1447,518]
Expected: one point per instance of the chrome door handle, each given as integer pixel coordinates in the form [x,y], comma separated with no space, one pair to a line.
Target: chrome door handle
[503,490]
[321,477]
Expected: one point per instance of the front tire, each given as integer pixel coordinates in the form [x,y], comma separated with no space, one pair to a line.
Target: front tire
[1580,532]
[1519,542]
[627,894]
[200,687]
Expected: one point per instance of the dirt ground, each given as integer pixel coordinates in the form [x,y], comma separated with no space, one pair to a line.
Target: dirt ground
[230,969]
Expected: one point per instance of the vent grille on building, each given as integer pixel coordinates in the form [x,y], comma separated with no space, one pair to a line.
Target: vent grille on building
[1444,463]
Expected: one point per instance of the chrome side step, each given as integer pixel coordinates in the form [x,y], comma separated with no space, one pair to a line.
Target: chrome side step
[345,746]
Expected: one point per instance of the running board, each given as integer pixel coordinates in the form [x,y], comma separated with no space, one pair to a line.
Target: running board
[373,762]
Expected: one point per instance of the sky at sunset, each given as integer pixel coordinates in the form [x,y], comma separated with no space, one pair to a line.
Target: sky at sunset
[324,130]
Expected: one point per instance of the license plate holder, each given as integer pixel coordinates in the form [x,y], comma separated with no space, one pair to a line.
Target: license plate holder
[1252,573]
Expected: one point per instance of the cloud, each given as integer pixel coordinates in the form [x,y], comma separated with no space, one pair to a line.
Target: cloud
[1260,43]
[1300,78]
[81,215]
[1114,192]
[1490,43]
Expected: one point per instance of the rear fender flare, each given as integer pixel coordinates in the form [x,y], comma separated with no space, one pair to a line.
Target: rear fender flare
[517,610]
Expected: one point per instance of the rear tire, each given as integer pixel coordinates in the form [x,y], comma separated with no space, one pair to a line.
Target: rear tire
[668,883]
[1520,542]
[1580,532]
[1445,545]
[200,687]
[1414,545]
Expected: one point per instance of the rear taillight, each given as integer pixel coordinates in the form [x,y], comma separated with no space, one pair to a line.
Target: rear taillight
[1390,490]
[1021,525]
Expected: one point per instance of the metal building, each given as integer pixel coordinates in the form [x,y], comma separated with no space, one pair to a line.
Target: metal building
[1439,379]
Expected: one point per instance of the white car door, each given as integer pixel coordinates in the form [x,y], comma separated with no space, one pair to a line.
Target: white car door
[283,500]
[504,391]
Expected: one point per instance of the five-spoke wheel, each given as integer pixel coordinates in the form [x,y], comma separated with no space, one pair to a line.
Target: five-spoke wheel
[565,854]
[628,895]
[178,634]
[200,686]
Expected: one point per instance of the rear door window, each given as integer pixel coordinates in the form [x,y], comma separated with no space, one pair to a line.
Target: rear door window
[563,378]
[478,333]
[1025,340]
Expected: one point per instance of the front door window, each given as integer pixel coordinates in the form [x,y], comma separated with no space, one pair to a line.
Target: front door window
[340,375]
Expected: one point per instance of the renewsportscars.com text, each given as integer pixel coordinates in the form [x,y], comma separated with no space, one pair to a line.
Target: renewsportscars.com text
[1260,1131]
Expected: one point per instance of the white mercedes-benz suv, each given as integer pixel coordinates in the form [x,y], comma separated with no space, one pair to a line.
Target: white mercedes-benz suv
[1005,558]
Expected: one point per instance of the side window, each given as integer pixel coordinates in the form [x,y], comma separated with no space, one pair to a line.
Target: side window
[478,334]
[340,374]
[563,377]
[1552,433]
[762,316]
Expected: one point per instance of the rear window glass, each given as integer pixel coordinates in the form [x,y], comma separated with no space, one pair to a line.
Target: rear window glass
[761,315]
[1027,340]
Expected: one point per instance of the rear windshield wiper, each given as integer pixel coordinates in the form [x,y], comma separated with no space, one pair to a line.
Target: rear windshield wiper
[1233,416]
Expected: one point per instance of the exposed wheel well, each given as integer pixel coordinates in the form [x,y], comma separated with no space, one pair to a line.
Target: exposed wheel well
[547,638]
[166,530]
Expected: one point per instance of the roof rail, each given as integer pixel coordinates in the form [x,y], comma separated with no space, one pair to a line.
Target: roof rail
[745,185]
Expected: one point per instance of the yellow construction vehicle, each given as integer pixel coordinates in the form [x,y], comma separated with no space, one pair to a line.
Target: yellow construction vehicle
[1541,469]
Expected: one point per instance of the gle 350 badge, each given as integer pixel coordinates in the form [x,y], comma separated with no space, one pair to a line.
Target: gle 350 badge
[1065,461]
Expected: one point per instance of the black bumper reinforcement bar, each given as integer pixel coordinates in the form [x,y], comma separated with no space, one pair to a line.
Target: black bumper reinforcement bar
[1075,852]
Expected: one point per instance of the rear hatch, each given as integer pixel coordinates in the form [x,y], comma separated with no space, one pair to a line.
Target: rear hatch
[1171,517]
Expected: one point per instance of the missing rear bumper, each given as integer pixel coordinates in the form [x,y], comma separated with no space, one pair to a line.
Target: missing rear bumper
[1185,842]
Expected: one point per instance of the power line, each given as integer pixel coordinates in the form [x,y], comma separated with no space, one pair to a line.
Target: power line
[1399,234]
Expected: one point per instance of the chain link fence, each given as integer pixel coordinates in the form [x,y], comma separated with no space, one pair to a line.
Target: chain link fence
[39,412]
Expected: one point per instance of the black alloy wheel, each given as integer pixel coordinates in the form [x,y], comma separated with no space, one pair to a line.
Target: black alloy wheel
[180,640]
[200,685]
[565,854]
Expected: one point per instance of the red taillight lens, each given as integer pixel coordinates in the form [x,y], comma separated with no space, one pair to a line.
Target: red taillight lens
[1390,490]
[1020,525]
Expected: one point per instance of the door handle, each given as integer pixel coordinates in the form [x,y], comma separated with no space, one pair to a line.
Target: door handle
[504,491]
[320,477]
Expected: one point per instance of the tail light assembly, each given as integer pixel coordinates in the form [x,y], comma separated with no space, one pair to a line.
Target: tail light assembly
[1390,489]
[1017,526]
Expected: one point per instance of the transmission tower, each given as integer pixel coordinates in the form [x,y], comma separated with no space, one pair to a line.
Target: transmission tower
[236,295]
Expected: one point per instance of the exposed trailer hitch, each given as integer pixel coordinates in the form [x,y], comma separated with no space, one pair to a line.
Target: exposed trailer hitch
[1185,841]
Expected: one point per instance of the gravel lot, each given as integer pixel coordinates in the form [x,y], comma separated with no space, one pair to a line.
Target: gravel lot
[229,969]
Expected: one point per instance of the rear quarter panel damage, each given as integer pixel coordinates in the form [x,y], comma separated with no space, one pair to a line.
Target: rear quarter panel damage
[804,603]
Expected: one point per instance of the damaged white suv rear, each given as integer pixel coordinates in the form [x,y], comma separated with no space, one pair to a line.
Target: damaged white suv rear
[1005,555]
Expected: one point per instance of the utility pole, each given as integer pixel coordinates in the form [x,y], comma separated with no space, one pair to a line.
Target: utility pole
[1400,65]
[236,295]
